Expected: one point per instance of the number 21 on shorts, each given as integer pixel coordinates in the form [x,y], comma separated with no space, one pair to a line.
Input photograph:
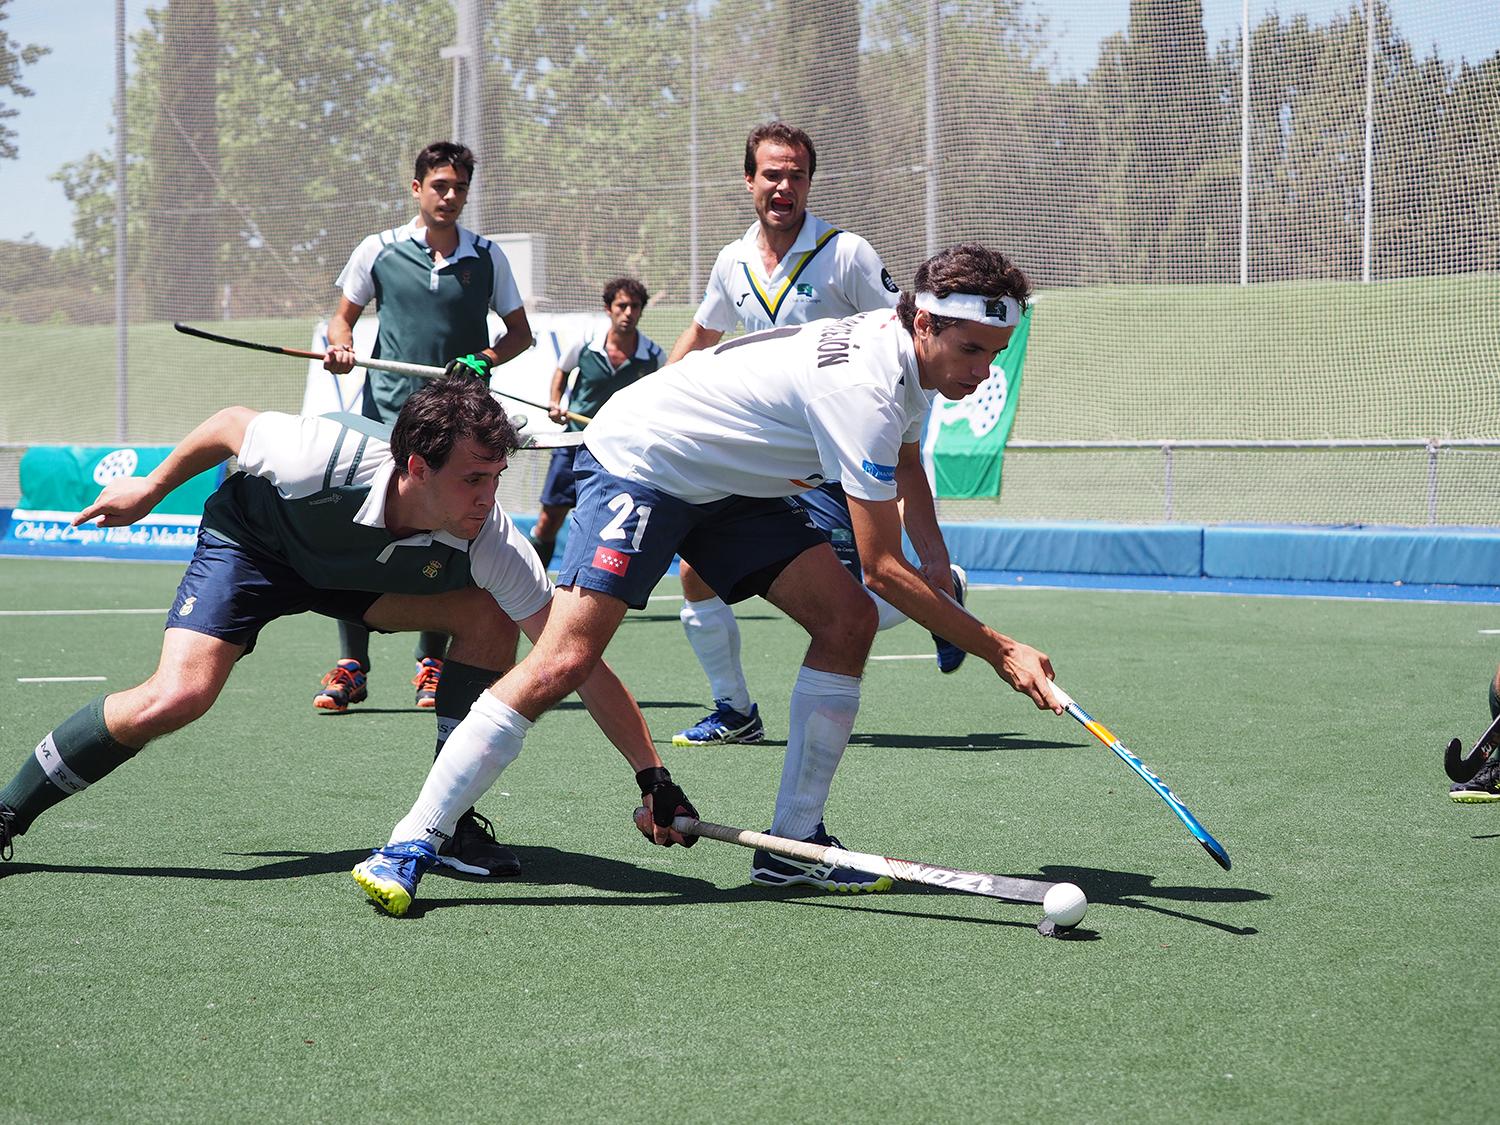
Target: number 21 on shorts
[623,506]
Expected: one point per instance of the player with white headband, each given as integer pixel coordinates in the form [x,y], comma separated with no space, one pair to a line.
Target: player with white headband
[701,460]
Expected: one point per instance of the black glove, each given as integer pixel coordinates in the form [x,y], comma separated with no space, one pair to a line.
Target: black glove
[667,799]
[475,366]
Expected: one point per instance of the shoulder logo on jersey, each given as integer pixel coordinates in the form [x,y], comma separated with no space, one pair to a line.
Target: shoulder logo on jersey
[888,281]
[431,569]
[886,473]
[612,561]
[186,608]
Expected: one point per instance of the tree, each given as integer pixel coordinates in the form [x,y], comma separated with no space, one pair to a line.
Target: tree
[13,56]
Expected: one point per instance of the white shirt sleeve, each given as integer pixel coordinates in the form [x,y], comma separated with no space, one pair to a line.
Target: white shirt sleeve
[717,311]
[569,359]
[357,281]
[504,296]
[868,285]
[858,431]
[292,451]
[504,563]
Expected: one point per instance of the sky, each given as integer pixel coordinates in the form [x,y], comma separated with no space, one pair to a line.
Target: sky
[72,111]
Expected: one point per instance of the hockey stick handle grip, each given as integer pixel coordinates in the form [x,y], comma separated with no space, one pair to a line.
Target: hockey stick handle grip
[780,845]
[1061,696]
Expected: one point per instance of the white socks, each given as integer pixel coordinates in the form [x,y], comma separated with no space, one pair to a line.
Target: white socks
[480,747]
[822,717]
[889,614]
[715,636]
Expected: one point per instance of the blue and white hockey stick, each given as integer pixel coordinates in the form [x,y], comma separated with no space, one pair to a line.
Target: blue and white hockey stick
[1103,734]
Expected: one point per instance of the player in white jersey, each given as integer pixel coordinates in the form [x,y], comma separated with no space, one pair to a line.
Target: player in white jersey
[790,267]
[702,460]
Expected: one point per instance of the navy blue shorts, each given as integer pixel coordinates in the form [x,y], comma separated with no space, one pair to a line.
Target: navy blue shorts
[559,490]
[233,594]
[623,536]
[829,510]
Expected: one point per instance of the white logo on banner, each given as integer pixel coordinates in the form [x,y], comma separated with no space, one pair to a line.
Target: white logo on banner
[982,409]
[117,463]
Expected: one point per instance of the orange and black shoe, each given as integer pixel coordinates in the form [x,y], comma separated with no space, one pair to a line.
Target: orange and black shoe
[341,687]
[429,672]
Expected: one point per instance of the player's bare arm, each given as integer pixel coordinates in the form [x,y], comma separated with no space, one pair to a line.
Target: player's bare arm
[555,409]
[919,517]
[127,499]
[694,338]
[340,358]
[877,531]
[615,711]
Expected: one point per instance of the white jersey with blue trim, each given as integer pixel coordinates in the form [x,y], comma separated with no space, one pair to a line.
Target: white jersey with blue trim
[772,414]
[826,273]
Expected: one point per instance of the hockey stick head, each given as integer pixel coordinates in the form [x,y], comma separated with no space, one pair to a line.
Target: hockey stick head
[1461,767]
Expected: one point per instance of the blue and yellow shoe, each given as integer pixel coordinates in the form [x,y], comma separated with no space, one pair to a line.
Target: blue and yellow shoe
[391,874]
[780,871]
[950,656]
[725,725]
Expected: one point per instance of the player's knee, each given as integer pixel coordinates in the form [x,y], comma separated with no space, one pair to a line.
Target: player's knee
[851,624]
[564,671]
[172,705]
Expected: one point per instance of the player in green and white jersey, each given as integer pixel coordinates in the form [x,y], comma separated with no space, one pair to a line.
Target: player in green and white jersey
[435,283]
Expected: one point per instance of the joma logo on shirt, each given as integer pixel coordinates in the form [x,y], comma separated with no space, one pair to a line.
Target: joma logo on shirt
[432,568]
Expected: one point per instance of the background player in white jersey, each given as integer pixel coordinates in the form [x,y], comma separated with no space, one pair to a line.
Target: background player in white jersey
[791,267]
[397,529]
[701,460]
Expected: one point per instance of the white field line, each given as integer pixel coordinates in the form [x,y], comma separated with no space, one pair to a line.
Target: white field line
[75,612]
[59,679]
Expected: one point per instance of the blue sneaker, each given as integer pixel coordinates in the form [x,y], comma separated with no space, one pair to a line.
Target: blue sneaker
[950,656]
[723,726]
[390,876]
[780,871]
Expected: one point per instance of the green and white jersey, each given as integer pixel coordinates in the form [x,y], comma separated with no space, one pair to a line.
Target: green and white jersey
[827,273]
[598,378]
[429,314]
[311,493]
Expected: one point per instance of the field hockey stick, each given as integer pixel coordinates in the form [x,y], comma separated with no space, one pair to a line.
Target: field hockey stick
[414,370]
[1461,767]
[971,882]
[1103,734]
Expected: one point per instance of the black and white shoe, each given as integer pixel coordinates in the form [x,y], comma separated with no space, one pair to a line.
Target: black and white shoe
[474,850]
[8,832]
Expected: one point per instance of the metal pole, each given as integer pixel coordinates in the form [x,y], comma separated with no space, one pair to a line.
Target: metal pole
[1245,143]
[932,145]
[1168,481]
[465,55]
[695,278]
[122,378]
[1369,130]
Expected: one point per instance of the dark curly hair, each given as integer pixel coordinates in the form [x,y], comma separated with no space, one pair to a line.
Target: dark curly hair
[443,413]
[444,154]
[628,285]
[965,268]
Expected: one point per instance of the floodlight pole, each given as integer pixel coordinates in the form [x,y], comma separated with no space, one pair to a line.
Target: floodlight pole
[695,282]
[465,56]
[1369,131]
[932,145]
[1245,143]
[122,379]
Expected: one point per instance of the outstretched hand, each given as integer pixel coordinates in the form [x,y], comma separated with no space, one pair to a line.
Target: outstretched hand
[123,501]
[1029,671]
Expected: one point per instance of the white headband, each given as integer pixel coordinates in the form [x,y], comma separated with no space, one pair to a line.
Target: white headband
[997,312]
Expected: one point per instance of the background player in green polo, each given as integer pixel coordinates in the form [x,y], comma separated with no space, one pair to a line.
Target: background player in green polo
[395,528]
[606,361]
[435,283]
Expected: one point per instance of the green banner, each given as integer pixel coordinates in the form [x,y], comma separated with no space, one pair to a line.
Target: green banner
[67,478]
[965,441]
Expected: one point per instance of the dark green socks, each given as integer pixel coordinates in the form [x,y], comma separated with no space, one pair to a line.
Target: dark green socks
[544,549]
[74,756]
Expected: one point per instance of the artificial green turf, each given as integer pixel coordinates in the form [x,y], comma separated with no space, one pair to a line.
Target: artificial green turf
[183,942]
